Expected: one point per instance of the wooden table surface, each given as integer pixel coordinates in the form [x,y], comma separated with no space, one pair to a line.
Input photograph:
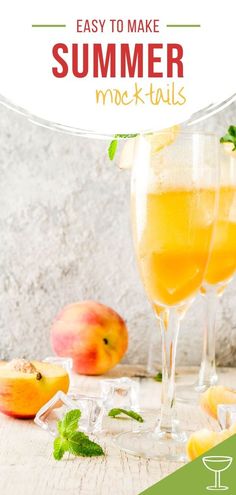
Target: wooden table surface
[28,468]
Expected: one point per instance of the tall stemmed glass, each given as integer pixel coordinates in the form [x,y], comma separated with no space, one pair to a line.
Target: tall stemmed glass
[220,271]
[174,196]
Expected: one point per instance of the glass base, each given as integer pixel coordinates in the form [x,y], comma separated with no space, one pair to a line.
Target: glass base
[159,445]
[217,488]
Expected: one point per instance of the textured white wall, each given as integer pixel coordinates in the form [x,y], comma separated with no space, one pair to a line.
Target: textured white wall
[65,236]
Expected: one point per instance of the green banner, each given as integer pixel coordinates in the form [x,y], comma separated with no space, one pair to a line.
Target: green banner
[214,472]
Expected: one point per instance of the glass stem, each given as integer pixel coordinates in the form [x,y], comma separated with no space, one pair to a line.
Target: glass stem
[217,479]
[207,374]
[151,364]
[170,322]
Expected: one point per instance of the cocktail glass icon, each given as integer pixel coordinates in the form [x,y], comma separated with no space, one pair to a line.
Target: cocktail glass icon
[217,464]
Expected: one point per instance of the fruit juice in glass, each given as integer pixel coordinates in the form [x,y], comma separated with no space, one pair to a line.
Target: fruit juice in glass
[220,270]
[172,241]
[222,262]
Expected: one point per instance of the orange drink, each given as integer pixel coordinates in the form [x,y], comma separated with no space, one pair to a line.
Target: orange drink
[222,264]
[220,270]
[172,239]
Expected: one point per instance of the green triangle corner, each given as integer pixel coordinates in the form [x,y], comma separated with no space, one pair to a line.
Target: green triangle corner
[194,478]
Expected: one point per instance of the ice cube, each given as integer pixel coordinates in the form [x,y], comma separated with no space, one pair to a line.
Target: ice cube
[54,410]
[120,393]
[65,362]
[92,411]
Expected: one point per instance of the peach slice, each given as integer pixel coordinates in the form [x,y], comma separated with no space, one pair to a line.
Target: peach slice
[203,440]
[215,396]
[157,141]
[229,149]
[127,154]
[26,386]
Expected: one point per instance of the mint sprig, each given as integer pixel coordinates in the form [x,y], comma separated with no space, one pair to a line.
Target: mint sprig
[230,136]
[73,441]
[114,143]
[132,414]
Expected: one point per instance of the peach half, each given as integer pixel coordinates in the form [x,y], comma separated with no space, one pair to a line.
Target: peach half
[215,396]
[26,386]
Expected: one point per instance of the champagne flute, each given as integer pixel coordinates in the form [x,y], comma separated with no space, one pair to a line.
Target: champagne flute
[174,192]
[220,271]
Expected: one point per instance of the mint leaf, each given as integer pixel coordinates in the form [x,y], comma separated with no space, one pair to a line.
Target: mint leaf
[230,136]
[232,130]
[112,149]
[132,414]
[69,422]
[73,441]
[80,444]
[126,136]
[114,143]
[59,448]
[158,377]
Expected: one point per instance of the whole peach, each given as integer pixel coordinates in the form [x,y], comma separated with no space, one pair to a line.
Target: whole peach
[92,334]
